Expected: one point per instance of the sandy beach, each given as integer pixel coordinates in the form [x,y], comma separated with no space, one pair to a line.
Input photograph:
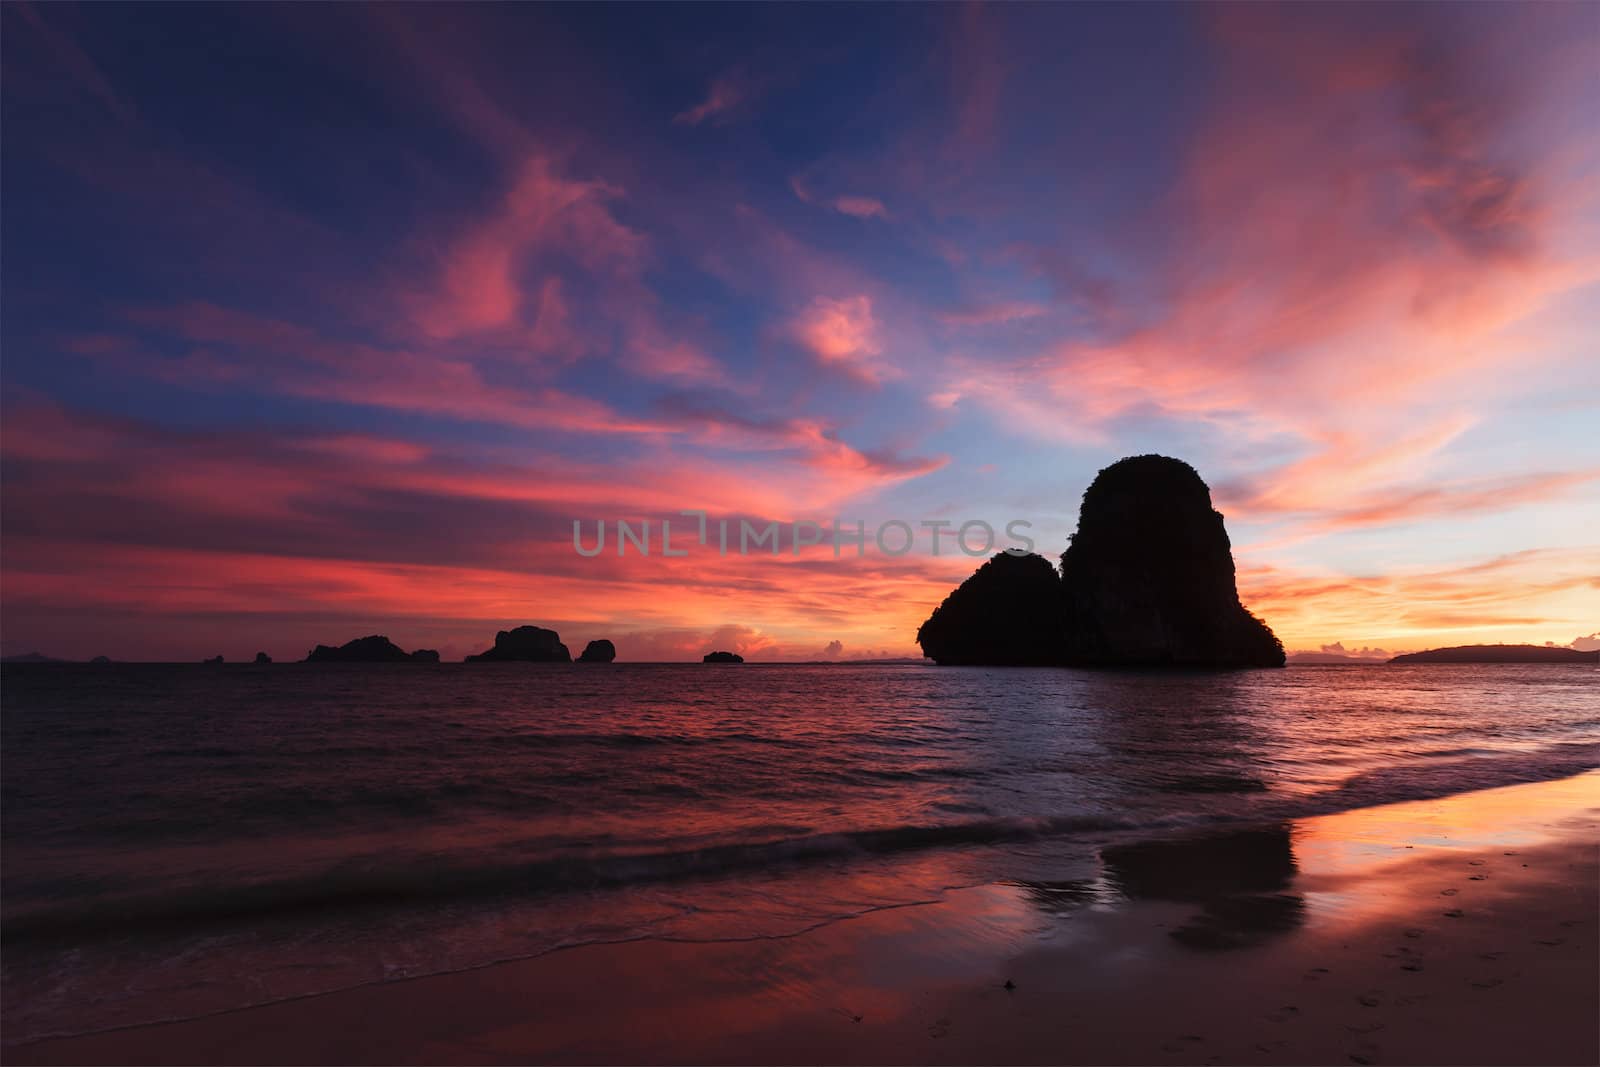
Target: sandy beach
[1461,930]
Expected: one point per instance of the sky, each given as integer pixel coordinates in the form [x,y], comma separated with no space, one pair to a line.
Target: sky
[328,320]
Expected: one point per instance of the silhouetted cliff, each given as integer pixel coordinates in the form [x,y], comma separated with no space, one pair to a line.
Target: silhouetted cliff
[1007,614]
[1148,580]
[1500,654]
[601,651]
[722,657]
[525,644]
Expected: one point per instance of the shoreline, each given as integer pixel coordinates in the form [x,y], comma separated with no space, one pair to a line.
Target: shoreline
[1457,930]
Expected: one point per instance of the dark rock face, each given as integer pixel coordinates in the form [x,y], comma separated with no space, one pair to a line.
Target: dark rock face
[1147,581]
[425,655]
[213,659]
[1007,614]
[722,657]
[373,649]
[262,657]
[601,651]
[525,644]
[1148,578]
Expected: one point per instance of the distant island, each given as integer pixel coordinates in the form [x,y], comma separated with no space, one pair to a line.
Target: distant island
[601,651]
[374,649]
[1501,654]
[525,644]
[1147,581]
[722,657]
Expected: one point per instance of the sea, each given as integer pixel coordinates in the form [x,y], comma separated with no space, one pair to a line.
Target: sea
[181,840]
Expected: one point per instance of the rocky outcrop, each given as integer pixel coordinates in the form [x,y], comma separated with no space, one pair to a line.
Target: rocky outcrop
[101,659]
[525,644]
[262,657]
[1007,614]
[1148,580]
[425,655]
[373,649]
[1500,654]
[212,661]
[722,657]
[601,651]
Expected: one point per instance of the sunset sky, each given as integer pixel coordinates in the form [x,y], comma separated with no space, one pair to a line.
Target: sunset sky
[322,321]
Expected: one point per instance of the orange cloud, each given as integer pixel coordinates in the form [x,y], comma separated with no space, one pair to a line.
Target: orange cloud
[1523,596]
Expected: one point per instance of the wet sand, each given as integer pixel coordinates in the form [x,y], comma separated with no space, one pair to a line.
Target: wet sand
[1463,930]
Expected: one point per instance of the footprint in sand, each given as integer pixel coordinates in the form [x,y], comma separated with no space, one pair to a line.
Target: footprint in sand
[1371,998]
[1364,1028]
[1411,965]
[1414,932]
[1490,955]
[1453,913]
[1448,892]
[1571,922]
[1284,1014]
[1315,974]
[1552,941]
[1415,998]
[1487,983]
[1478,878]
[1478,863]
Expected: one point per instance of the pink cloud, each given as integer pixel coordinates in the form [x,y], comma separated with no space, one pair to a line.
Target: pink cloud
[726,94]
[860,207]
[845,334]
[481,284]
[994,314]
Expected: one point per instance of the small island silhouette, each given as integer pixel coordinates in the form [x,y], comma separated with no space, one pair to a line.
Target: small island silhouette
[525,644]
[1500,654]
[1148,580]
[373,649]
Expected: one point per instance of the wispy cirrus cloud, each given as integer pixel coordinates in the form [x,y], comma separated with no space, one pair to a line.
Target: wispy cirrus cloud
[727,94]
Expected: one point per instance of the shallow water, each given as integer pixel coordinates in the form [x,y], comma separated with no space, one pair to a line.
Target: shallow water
[185,839]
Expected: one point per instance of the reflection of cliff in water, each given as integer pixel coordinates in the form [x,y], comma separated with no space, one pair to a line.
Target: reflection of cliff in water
[1239,882]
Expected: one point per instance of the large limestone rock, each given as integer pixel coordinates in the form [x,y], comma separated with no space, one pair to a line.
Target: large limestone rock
[601,651]
[525,644]
[1147,581]
[1148,578]
[1007,614]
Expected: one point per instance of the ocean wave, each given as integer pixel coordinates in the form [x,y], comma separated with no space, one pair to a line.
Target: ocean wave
[552,866]
[421,878]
